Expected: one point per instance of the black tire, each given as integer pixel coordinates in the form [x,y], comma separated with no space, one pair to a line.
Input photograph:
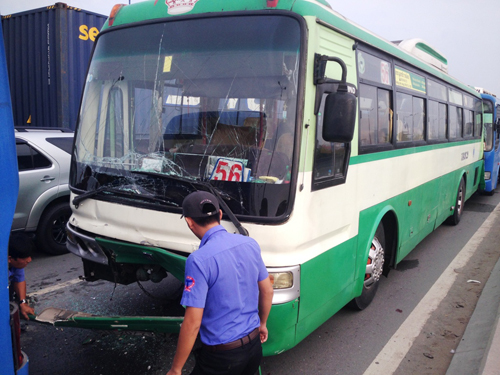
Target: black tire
[51,232]
[454,219]
[374,269]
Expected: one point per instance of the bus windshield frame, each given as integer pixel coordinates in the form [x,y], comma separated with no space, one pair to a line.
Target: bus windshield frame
[488,124]
[170,106]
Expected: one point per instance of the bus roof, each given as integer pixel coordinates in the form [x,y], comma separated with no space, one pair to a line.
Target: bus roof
[160,9]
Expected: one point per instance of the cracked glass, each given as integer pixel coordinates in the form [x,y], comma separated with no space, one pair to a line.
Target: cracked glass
[169,108]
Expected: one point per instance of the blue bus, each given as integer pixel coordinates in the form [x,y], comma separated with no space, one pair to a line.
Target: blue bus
[491,140]
[12,359]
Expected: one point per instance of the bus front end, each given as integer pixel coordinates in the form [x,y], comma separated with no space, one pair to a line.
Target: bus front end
[181,104]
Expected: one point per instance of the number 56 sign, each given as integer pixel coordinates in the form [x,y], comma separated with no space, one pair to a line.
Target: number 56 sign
[225,169]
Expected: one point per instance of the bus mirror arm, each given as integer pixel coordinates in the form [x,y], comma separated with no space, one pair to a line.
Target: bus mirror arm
[320,62]
[340,105]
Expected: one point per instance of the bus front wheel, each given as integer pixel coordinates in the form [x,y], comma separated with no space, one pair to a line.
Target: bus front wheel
[374,268]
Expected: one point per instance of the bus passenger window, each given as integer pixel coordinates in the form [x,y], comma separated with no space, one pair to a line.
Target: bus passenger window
[460,122]
[418,119]
[468,124]
[384,117]
[478,126]
[404,113]
[443,120]
[433,127]
[375,117]
[453,122]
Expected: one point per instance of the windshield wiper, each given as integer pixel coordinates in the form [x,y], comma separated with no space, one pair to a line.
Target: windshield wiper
[107,189]
[88,194]
[212,189]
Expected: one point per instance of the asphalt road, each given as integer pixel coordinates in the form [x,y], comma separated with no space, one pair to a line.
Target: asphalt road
[346,344]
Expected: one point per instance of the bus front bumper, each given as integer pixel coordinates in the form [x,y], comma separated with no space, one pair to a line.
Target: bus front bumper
[66,318]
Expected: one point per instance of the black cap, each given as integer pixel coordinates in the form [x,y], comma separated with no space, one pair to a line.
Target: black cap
[200,204]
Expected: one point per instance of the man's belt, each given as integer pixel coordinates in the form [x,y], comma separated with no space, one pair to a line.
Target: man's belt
[233,344]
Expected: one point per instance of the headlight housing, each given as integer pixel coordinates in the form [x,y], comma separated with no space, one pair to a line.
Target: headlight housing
[286,283]
[281,280]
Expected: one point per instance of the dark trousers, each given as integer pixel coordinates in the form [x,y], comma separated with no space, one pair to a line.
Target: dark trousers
[244,360]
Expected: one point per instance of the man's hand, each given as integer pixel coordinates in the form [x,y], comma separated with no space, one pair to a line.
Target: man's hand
[26,309]
[187,336]
[265,301]
[263,333]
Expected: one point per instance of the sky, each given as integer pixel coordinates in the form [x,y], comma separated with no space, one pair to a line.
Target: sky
[463,31]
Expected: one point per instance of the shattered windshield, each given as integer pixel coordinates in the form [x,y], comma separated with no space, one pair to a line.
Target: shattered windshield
[168,106]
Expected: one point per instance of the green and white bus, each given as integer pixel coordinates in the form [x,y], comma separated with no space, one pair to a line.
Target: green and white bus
[337,150]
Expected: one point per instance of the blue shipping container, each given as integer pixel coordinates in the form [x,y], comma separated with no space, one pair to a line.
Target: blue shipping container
[48,52]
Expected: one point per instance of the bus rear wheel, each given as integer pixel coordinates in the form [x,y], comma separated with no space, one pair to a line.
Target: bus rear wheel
[374,269]
[454,219]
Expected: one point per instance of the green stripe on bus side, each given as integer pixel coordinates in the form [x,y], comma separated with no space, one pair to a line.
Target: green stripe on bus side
[332,279]
[326,286]
[406,151]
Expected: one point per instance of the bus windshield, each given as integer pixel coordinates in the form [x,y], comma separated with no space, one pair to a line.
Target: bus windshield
[169,105]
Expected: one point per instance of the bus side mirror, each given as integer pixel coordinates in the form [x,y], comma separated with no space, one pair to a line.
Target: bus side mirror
[339,117]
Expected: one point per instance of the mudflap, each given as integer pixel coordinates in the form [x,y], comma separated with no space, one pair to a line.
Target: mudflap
[66,318]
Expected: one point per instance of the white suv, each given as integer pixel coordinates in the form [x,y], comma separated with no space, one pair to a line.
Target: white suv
[43,158]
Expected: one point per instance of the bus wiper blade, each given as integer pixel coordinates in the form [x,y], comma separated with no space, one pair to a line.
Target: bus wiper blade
[79,198]
[217,192]
[137,194]
[243,231]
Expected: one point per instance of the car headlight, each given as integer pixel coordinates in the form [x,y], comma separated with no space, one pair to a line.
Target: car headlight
[487,175]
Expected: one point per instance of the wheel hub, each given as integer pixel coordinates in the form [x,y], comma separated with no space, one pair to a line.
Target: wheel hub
[375,264]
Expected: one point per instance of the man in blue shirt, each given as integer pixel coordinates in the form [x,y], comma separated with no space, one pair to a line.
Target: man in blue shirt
[227,294]
[20,247]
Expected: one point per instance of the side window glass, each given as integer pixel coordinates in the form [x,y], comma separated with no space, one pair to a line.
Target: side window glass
[28,158]
[478,125]
[384,117]
[404,117]
[433,129]
[367,114]
[24,158]
[468,124]
[330,162]
[418,119]
[443,120]
[39,160]
[460,123]
[453,122]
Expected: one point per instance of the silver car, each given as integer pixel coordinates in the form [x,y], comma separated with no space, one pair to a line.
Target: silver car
[43,157]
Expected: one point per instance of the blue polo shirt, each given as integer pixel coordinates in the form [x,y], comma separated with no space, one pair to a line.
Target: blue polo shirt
[222,278]
[16,275]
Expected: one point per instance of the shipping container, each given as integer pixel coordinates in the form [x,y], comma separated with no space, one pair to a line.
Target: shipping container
[48,51]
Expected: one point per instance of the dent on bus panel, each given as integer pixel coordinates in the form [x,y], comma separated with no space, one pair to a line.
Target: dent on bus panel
[155,121]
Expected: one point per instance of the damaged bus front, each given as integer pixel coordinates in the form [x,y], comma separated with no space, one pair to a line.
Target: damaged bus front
[203,103]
